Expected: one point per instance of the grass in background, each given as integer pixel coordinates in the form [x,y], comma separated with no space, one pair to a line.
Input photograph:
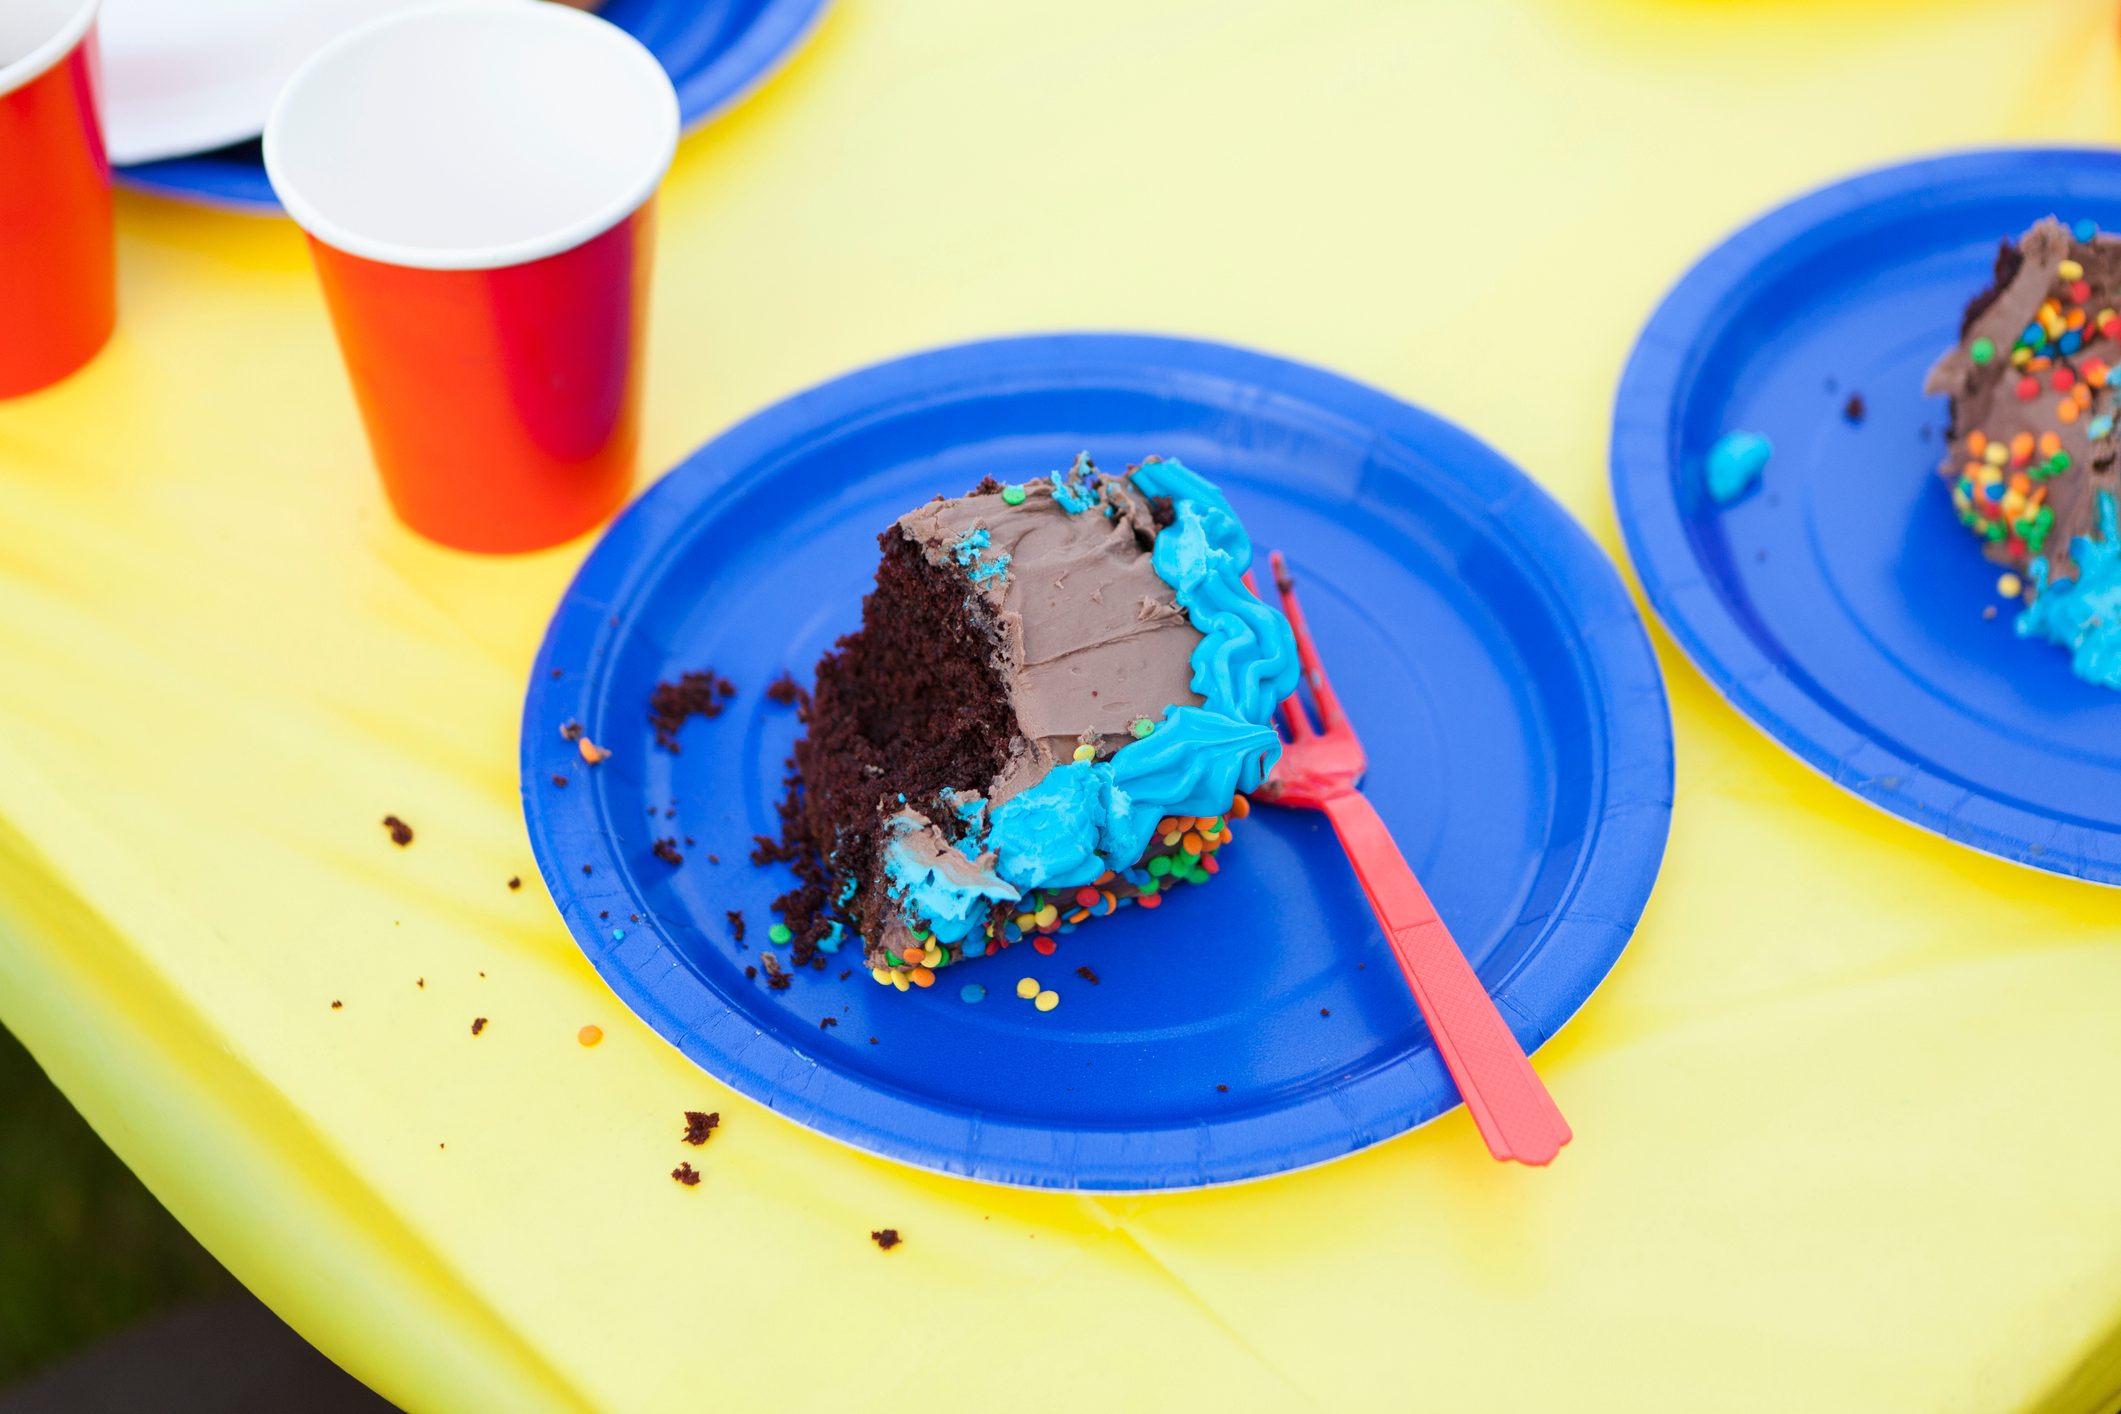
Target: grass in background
[84,1248]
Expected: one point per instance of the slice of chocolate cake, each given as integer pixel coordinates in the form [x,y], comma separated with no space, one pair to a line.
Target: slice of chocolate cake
[1058,696]
[2031,447]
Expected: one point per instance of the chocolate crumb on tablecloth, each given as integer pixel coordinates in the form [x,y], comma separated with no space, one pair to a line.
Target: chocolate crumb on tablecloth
[699,1125]
[336,1005]
[515,881]
[560,781]
[886,1238]
[736,923]
[666,849]
[478,1024]
[420,982]
[687,1175]
[699,694]
[1853,409]
[828,1021]
[400,832]
[1088,974]
[786,691]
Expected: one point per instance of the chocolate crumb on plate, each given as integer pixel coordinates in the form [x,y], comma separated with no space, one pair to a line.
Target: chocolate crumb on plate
[687,1175]
[1853,409]
[786,691]
[666,849]
[736,923]
[400,832]
[751,972]
[828,1021]
[699,1125]
[886,1238]
[1323,1011]
[1222,1089]
[1088,974]
[672,704]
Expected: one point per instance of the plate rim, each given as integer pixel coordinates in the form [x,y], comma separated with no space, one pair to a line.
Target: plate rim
[1610,884]
[1659,370]
[783,30]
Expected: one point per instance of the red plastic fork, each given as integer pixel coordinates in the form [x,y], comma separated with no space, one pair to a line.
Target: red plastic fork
[1318,770]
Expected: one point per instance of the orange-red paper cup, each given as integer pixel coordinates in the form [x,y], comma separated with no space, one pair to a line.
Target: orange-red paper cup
[476,179]
[58,288]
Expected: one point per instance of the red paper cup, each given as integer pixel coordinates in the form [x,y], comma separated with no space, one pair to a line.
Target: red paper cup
[476,180]
[58,286]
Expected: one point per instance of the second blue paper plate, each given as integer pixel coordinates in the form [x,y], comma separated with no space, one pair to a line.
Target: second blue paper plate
[1485,648]
[1841,606]
[716,52]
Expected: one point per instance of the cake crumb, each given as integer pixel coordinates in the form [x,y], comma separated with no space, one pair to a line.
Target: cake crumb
[478,1024]
[699,1126]
[400,832]
[1222,1089]
[515,881]
[672,704]
[560,781]
[886,1238]
[666,849]
[786,691]
[828,1022]
[714,859]
[1325,1011]
[570,730]
[872,1040]
[1853,409]
[736,923]
[420,982]
[337,1005]
[687,1175]
[1088,974]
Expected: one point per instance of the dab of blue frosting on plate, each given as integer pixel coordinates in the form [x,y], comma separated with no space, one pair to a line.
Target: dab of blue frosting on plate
[2083,614]
[1735,464]
[1085,817]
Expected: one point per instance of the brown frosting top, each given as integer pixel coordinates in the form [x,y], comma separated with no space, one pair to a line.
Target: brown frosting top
[1090,640]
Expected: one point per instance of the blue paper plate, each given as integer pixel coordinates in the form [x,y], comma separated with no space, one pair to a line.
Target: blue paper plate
[1516,723]
[716,51]
[1840,605]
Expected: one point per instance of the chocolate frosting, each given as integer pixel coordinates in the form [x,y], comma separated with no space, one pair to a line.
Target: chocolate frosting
[1986,396]
[1090,640]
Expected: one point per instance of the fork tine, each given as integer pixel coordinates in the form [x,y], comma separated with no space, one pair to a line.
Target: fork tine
[1329,714]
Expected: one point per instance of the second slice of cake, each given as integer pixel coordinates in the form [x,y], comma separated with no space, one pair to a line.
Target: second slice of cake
[1060,692]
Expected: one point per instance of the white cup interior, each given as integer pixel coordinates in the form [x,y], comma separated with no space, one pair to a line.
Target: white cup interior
[471,134]
[36,34]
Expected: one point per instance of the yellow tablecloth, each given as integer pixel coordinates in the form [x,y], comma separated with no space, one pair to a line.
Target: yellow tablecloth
[1845,1111]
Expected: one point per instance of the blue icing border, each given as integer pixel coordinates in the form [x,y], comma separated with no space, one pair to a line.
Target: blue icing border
[1084,817]
[2083,614]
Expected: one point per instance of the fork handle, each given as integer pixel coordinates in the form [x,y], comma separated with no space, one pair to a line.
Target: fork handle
[1515,1114]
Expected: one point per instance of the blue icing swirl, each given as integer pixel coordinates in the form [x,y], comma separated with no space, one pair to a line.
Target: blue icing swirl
[1084,817]
[2083,614]
[973,553]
